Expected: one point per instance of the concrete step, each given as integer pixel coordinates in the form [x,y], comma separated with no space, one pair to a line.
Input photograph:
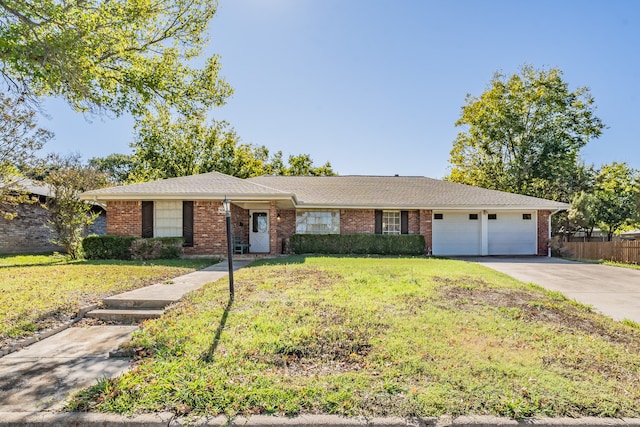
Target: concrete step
[118,303]
[124,316]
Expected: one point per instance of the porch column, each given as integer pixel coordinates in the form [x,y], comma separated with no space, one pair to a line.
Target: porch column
[273,229]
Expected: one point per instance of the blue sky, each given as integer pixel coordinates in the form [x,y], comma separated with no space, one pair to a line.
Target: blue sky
[375,86]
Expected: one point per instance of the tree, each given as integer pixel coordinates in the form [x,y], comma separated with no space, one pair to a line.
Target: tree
[113,55]
[116,167]
[523,135]
[583,212]
[70,217]
[168,146]
[617,196]
[20,139]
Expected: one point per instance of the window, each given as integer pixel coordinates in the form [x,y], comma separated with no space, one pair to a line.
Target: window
[260,223]
[318,222]
[473,216]
[168,218]
[390,222]
[438,216]
[526,217]
[493,216]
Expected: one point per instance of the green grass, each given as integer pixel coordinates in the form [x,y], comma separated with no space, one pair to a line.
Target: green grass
[38,291]
[378,337]
[607,262]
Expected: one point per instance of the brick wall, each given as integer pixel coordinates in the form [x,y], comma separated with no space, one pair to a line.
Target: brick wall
[425,228]
[286,226]
[124,218]
[27,232]
[240,223]
[357,221]
[209,229]
[414,222]
[543,232]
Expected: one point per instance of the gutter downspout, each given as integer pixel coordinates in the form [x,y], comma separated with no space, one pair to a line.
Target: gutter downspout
[549,236]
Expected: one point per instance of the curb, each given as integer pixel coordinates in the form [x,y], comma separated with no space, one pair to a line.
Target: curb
[164,419]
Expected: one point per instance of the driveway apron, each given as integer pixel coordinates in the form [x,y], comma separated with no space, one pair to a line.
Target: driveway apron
[613,291]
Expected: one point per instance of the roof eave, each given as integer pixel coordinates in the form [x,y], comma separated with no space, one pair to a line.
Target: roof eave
[432,207]
[186,196]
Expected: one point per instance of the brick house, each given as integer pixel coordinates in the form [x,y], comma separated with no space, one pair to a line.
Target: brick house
[455,219]
[28,231]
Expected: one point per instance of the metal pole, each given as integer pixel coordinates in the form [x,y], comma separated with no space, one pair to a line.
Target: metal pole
[229,249]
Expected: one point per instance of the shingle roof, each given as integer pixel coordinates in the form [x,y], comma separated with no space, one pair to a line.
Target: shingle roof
[344,191]
[207,185]
[397,192]
[30,186]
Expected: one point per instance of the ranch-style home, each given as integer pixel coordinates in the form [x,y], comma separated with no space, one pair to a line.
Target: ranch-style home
[455,219]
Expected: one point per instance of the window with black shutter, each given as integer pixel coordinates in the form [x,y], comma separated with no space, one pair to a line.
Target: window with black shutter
[187,223]
[147,219]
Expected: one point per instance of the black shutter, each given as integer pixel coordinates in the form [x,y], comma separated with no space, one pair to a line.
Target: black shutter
[147,219]
[404,222]
[378,222]
[187,223]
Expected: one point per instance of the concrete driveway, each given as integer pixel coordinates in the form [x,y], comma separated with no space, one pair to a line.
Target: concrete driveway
[613,291]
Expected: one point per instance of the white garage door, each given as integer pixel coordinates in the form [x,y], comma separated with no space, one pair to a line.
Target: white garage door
[512,233]
[454,233]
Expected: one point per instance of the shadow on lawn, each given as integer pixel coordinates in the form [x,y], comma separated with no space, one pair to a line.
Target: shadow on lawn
[208,355]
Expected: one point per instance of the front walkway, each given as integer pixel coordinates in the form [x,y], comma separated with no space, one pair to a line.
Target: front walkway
[40,376]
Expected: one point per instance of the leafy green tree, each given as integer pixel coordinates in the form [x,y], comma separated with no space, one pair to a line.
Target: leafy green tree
[583,212]
[70,217]
[111,55]
[168,146]
[523,135]
[116,167]
[617,196]
[20,140]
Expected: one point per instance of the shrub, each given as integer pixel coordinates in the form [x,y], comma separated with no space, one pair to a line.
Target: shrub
[157,248]
[129,247]
[107,247]
[379,244]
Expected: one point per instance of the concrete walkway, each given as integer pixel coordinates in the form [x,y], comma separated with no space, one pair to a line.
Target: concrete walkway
[613,291]
[40,376]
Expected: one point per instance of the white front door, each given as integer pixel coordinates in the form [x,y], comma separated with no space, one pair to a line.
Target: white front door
[259,232]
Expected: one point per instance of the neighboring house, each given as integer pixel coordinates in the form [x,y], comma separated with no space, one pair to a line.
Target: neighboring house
[28,231]
[630,235]
[455,219]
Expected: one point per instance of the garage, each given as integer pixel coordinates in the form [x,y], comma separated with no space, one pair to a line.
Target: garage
[484,233]
[456,233]
[512,233]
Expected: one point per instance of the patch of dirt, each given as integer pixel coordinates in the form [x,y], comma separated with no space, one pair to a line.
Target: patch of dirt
[531,306]
[285,277]
[336,344]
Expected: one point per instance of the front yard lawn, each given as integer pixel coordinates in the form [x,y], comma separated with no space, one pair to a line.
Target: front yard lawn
[378,337]
[39,291]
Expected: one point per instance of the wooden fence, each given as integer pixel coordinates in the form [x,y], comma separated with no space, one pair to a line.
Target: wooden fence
[620,251]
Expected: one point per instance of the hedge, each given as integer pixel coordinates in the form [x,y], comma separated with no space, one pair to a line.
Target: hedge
[107,247]
[128,247]
[379,244]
